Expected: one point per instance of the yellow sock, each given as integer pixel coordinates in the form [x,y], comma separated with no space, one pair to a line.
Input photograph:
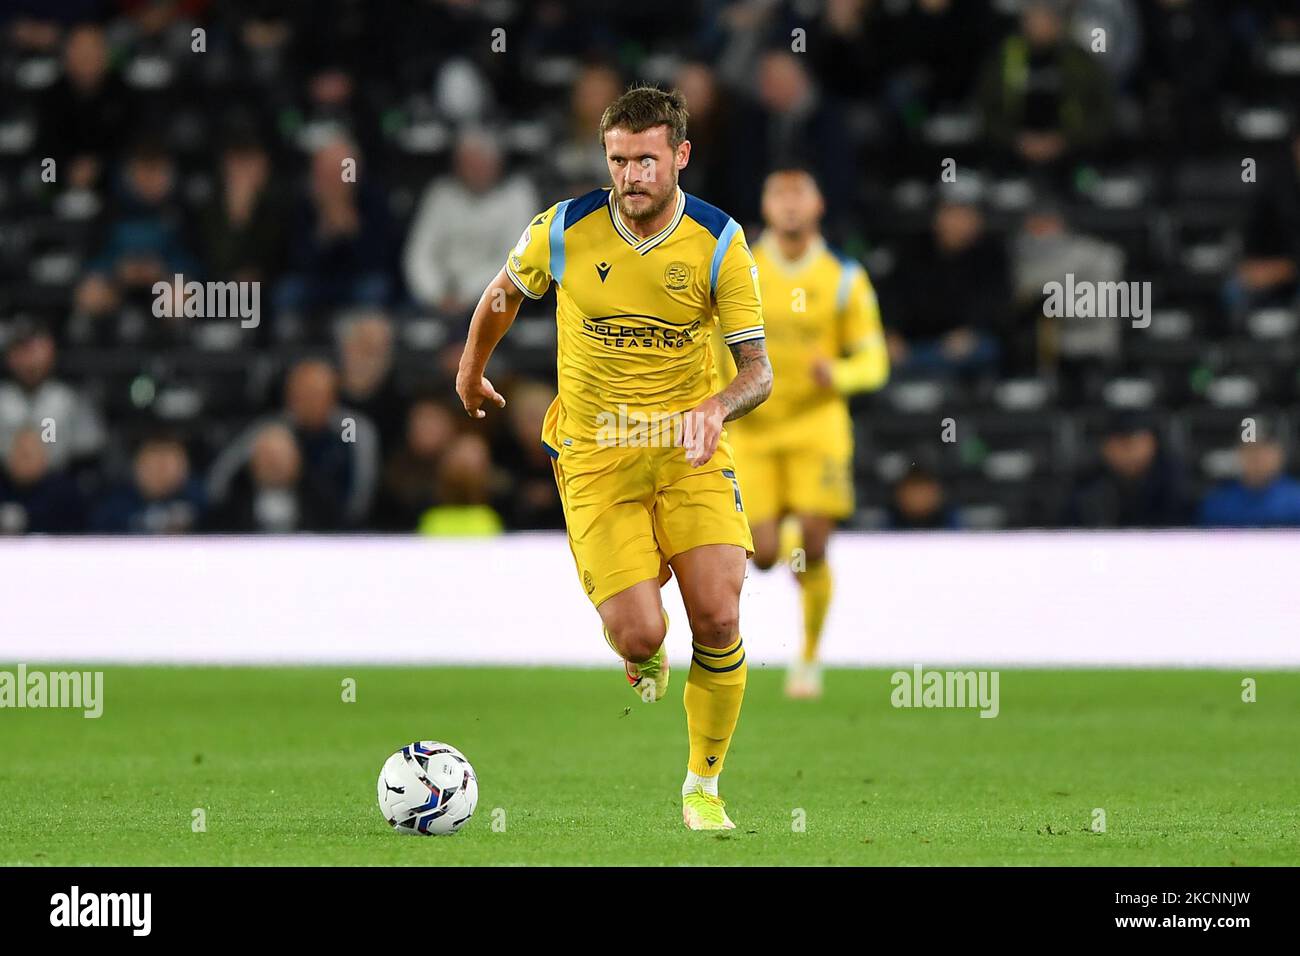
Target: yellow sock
[815,586]
[715,688]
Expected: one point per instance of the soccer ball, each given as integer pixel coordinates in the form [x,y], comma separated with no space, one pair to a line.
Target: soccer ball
[427,789]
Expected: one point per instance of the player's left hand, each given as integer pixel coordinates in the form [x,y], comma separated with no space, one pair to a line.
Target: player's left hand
[701,429]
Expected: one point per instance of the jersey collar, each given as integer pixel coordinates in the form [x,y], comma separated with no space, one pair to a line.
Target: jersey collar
[791,267]
[642,246]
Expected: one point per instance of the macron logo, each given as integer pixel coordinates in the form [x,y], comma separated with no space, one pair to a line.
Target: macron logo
[103,909]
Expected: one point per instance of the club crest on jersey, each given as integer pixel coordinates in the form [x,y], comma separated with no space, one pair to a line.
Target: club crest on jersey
[677,276]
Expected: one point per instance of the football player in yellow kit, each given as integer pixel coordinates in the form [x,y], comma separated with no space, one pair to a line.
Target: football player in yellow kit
[794,454]
[643,274]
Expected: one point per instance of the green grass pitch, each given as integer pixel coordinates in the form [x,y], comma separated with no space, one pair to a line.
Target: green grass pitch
[580,772]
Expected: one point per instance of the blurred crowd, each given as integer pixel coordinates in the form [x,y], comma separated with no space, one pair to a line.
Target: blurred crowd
[142,139]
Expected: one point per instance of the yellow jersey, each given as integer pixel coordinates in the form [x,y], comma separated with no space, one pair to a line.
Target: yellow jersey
[818,307]
[635,317]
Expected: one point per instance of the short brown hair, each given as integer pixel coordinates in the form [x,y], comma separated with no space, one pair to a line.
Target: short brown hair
[645,107]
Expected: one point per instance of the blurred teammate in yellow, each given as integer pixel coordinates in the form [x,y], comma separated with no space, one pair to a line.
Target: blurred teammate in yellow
[794,454]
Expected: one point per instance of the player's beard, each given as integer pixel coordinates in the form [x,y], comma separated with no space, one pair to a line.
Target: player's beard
[657,205]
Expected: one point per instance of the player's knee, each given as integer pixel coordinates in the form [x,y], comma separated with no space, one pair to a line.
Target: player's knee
[816,535]
[814,551]
[716,626]
[638,640]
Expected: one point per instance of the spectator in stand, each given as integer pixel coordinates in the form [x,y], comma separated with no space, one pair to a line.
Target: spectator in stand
[1137,484]
[162,496]
[366,380]
[410,486]
[146,240]
[950,298]
[577,157]
[1264,496]
[243,225]
[919,502]
[341,252]
[86,111]
[338,447]
[531,501]
[36,26]
[847,46]
[465,223]
[1046,250]
[791,123]
[1044,100]
[1267,274]
[734,35]
[34,398]
[1121,24]
[464,488]
[707,176]
[274,494]
[933,49]
[344,73]
[265,40]
[34,497]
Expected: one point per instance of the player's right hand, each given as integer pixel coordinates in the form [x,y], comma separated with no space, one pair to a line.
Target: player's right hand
[473,391]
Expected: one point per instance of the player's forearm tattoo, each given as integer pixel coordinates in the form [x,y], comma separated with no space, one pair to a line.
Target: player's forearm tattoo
[753,381]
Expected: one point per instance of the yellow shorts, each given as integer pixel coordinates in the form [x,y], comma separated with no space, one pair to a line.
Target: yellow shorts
[801,465]
[631,510]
